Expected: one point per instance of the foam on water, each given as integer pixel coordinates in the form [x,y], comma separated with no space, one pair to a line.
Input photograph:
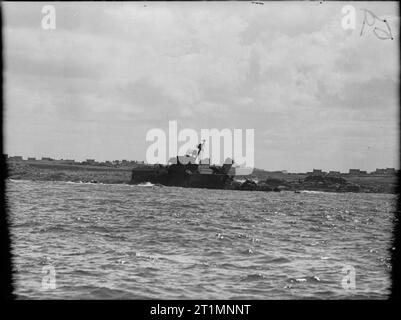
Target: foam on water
[146,184]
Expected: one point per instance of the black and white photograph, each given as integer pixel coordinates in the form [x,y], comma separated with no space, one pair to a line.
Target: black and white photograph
[212,150]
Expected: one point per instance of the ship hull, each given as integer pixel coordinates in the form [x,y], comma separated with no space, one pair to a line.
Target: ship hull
[177,175]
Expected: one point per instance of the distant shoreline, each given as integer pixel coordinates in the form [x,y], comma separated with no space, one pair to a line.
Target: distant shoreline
[37,171]
[68,172]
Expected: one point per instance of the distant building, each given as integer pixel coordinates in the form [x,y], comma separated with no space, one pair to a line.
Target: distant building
[47,159]
[90,161]
[387,171]
[16,158]
[357,172]
[390,171]
[67,161]
[354,172]
[317,172]
[334,173]
[31,159]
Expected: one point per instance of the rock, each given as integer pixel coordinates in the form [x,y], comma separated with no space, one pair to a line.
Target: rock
[249,185]
[352,188]
[263,186]
[233,185]
[273,182]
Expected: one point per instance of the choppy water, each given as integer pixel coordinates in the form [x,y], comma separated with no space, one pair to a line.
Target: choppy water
[139,242]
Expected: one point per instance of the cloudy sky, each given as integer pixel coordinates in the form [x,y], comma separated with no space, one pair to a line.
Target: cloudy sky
[317,96]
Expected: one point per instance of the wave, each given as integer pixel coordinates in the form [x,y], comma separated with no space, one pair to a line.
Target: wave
[243,180]
[18,180]
[146,184]
[82,182]
[304,279]
[312,192]
[253,277]
[139,233]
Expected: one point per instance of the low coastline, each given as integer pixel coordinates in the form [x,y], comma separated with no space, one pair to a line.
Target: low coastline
[73,173]
[274,182]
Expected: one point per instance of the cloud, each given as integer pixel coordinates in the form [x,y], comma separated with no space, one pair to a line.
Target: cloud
[283,69]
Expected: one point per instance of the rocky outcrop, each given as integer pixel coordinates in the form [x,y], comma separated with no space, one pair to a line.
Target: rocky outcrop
[249,185]
[263,186]
[312,183]
[328,184]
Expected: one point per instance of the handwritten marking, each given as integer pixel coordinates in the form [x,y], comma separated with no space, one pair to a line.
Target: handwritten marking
[366,21]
